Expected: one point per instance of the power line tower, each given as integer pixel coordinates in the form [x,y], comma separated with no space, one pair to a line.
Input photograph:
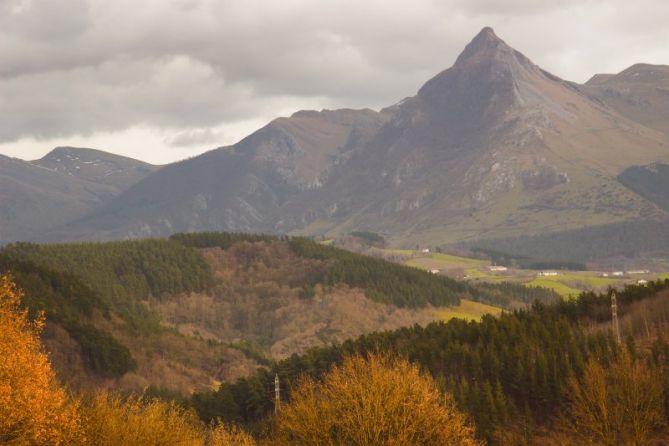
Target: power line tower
[614,316]
[277,394]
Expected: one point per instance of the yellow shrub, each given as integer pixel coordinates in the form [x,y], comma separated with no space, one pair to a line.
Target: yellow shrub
[33,407]
[108,421]
[372,401]
[221,435]
[618,405]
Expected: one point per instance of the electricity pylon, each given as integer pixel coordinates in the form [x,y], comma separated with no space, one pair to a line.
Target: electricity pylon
[277,394]
[614,316]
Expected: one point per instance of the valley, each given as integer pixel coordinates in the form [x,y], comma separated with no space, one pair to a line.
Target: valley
[567,283]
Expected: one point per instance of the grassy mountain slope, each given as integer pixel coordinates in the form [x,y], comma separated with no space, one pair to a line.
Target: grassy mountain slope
[613,244]
[640,93]
[651,182]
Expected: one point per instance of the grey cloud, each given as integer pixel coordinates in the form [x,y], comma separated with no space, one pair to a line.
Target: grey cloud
[76,67]
[517,7]
[45,20]
[175,93]
[196,137]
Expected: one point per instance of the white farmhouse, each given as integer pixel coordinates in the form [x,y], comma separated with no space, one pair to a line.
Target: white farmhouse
[548,273]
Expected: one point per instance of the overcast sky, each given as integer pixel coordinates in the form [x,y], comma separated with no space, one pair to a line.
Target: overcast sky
[161,80]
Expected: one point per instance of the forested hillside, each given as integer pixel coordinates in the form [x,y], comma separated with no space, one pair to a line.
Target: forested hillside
[383,281]
[598,244]
[74,306]
[215,305]
[124,274]
[99,328]
[510,374]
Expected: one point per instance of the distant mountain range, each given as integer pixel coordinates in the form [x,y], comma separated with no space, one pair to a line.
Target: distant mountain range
[493,147]
[65,185]
[640,93]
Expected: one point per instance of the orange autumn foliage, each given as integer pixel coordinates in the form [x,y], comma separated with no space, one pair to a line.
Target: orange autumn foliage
[222,435]
[34,409]
[109,420]
[372,401]
[617,405]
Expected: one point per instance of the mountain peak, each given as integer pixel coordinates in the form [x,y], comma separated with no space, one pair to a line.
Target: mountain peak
[68,152]
[62,153]
[487,34]
[487,72]
[486,45]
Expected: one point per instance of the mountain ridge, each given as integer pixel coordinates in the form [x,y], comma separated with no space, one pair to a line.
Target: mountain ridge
[493,146]
[96,166]
[639,92]
[67,183]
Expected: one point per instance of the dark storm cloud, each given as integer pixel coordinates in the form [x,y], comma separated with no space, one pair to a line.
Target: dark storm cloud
[79,67]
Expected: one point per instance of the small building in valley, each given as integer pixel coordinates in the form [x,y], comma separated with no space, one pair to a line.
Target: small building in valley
[548,273]
[497,268]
